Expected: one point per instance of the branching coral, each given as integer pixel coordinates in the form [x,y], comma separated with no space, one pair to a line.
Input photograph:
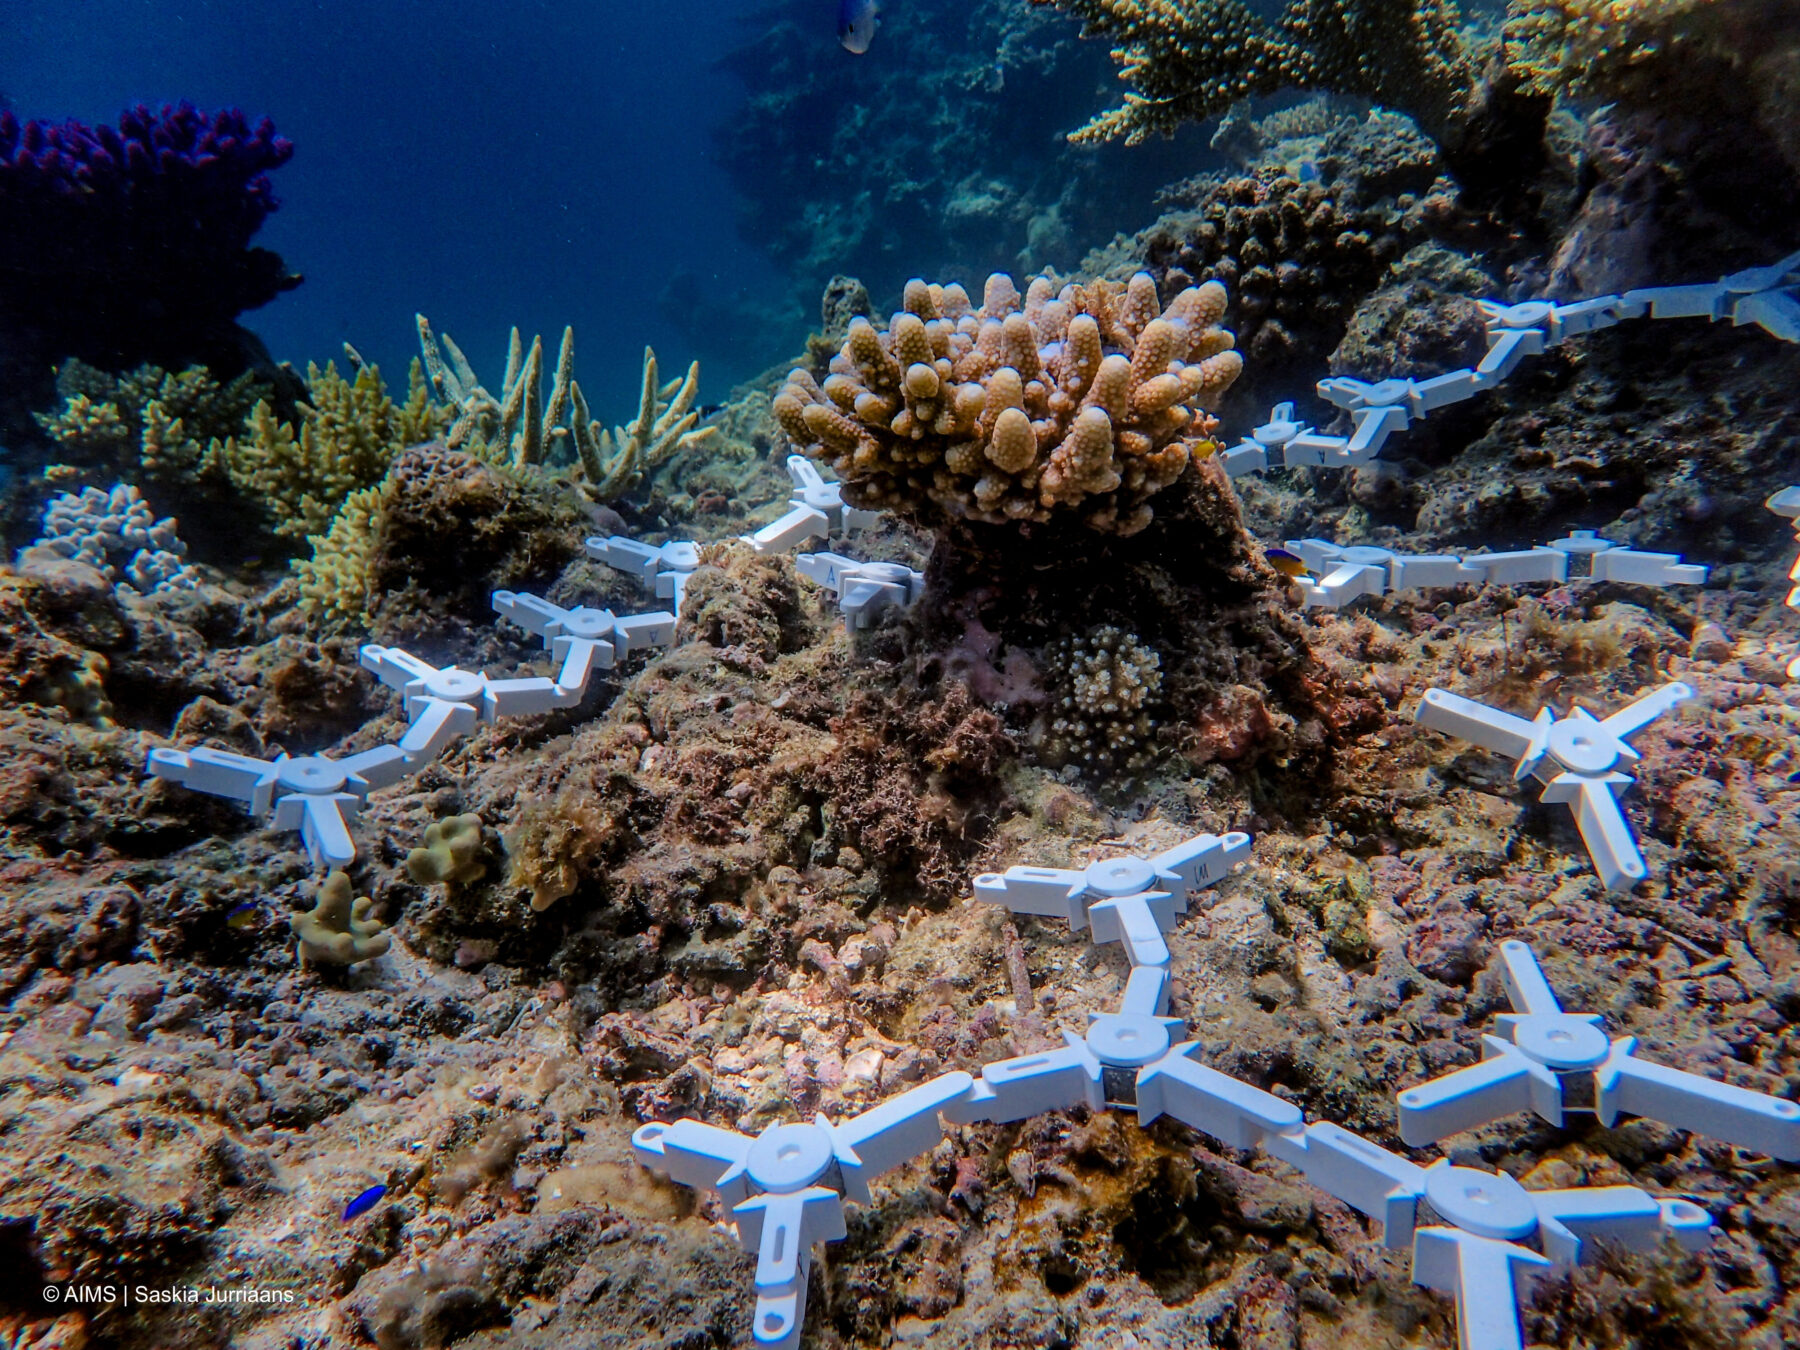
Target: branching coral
[335,582]
[349,433]
[156,420]
[337,930]
[1088,400]
[517,429]
[1188,60]
[455,851]
[1104,688]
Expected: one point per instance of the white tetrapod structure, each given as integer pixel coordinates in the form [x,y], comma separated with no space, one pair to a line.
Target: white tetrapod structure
[786,1187]
[664,568]
[1787,503]
[1576,757]
[1557,1064]
[1765,296]
[1347,573]
[864,590]
[321,797]
[815,511]
[1478,1236]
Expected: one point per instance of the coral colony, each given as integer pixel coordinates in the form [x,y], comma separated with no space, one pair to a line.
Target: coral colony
[1476,1235]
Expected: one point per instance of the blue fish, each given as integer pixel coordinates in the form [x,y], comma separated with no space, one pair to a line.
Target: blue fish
[856,24]
[364,1202]
[244,916]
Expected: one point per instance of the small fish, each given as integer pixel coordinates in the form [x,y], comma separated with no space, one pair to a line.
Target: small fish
[364,1202]
[1288,564]
[244,916]
[1307,171]
[708,411]
[856,24]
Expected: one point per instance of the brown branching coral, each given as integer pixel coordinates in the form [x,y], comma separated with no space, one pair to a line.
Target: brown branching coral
[1088,400]
[1187,60]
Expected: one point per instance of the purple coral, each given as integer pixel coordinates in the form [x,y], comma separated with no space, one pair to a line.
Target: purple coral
[131,244]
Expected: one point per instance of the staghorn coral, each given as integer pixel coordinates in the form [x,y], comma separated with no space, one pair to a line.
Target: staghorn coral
[337,930]
[1104,686]
[349,432]
[519,430]
[1187,60]
[1088,400]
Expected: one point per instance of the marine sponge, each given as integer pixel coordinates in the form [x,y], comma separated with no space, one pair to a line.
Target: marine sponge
[1085,401]
[517,430]
[1104,686]
[337,930]
[454,851]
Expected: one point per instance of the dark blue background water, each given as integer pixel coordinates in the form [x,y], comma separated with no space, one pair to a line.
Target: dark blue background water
[513,162]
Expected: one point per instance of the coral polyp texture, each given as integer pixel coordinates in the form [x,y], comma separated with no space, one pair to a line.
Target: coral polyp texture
[1081,402]
[1105,686]
[132,243]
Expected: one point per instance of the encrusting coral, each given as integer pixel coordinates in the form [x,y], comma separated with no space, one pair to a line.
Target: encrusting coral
[337,930]
[1103,685]
[519,430]
[1089,400]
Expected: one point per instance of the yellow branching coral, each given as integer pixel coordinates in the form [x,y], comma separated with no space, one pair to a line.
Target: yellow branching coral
[346,439]
[334,584]
[1090,399]
[518,430]
[163,421]
[1187,60]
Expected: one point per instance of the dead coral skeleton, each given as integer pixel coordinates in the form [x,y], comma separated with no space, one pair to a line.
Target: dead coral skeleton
[519,430]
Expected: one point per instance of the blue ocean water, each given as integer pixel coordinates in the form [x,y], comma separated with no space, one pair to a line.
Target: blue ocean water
[535,163]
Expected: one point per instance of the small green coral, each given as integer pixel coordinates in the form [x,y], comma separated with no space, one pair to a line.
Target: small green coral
[337,930]
[455,851]
[518,431]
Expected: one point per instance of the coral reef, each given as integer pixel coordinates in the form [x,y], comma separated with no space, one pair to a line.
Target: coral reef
[517,430]
[1103,689]
[1187,61]
[337,930]
[1090,400]
[132,244]
[159,422]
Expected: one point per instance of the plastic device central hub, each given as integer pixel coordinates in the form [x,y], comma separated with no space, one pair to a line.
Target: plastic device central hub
[789,1158]
[1563,1042]
[1120,876]
[1487,1204]
[1582,746]
[1127,1041]
[310,774]
[454,686]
